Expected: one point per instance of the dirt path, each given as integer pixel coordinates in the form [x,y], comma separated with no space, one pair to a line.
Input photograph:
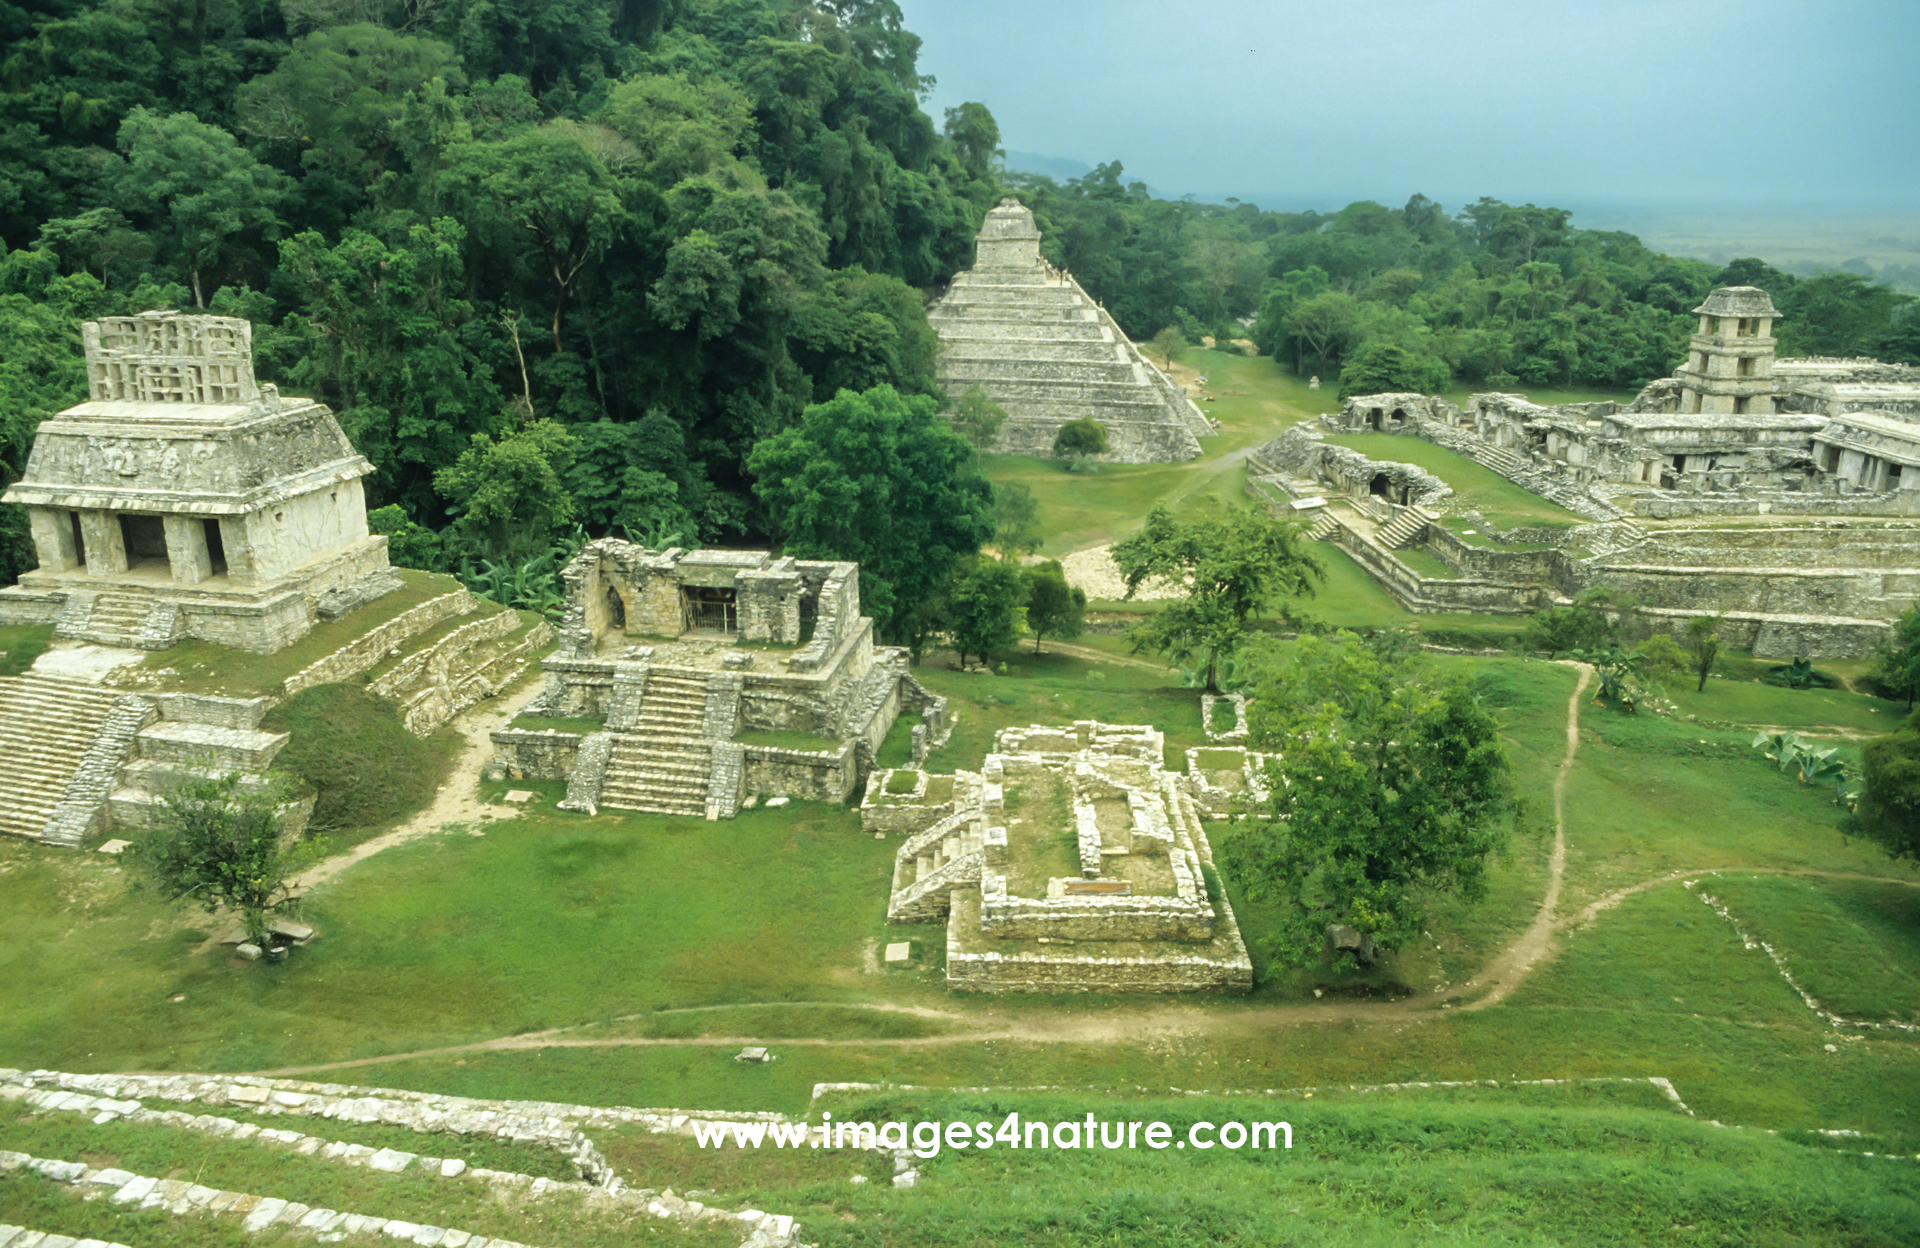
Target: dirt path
[1494,983]
[456,802]
[1506,972]
[1101,656]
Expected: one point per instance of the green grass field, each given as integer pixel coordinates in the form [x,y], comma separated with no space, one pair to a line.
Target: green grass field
[1504,504]
[621,959]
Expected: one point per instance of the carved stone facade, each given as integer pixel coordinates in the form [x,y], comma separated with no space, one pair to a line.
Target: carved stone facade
[183,499]
[1039,346]
[1071,862]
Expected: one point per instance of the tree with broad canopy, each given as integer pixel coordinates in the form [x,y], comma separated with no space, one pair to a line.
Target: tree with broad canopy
[1388,784]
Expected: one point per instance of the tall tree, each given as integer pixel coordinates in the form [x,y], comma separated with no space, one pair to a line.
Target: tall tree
[981,605]
[1231,567]
[339,92]
[212,204]
[1703,646]
[975,136]
[1388,786]
[390,343]
[508,496]
[1054,608]
[1896,665]
[880,479]
[553,193]
[1889,808]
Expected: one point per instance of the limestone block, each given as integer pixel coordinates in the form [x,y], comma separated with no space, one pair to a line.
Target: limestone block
[104,546]
[210,746]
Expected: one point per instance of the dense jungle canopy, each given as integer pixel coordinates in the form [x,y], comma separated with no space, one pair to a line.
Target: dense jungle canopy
[670,226]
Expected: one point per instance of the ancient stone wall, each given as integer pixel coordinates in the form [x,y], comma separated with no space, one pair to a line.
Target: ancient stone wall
[816,775]
[973,969]
[535,754]
[370,647]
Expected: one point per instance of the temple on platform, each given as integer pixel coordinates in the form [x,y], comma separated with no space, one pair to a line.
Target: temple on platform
[185,500]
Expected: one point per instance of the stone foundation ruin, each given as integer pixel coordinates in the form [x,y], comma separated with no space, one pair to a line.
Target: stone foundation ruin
[1743,485]
[1073,861]
[185,500]
[686,656]
[1041,348]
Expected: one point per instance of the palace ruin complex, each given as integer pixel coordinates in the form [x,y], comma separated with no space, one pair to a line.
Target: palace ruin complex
[1041,348]
[1072,861]
[1783,494]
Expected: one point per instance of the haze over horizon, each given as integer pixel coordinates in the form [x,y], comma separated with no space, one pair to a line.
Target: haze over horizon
[1762,103]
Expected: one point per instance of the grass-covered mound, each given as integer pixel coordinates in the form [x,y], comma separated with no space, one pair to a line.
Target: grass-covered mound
[362,765]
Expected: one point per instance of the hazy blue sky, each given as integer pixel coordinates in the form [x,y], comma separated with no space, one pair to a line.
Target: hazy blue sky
[1789,101]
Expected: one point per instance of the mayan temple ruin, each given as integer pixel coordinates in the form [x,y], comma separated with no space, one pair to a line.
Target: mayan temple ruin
[1783,494]
[1072,861]
[1043,349]
[720,676]
[184,500]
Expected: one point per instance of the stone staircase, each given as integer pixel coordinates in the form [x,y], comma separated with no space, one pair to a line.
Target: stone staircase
[1323,526]
[663,763]
[170,751]
[1400,532]
[1500,459]
[106,618]
[930,865]
[49,727]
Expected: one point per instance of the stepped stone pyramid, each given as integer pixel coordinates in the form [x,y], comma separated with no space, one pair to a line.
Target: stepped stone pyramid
[1045,351]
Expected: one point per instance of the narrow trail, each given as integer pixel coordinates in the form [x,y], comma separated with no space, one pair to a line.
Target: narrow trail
[456,802]
[1494,983]
[1506,972]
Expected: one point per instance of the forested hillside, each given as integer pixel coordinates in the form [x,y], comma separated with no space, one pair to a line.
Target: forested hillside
[668,226]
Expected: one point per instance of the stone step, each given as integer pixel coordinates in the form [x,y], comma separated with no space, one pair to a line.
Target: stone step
[204,745]
[1058,349]
[981,334]
[985,368]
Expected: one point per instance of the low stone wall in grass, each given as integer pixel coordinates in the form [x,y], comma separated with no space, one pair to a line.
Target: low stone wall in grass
[816,775]
[542,754]
[907,812]
[370,647]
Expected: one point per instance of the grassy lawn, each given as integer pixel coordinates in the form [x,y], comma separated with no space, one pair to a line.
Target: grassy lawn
[1853,944]
[1255,401]
[21,644]
[1055,688]
[1504,504]
[544,906]
[1653,796]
